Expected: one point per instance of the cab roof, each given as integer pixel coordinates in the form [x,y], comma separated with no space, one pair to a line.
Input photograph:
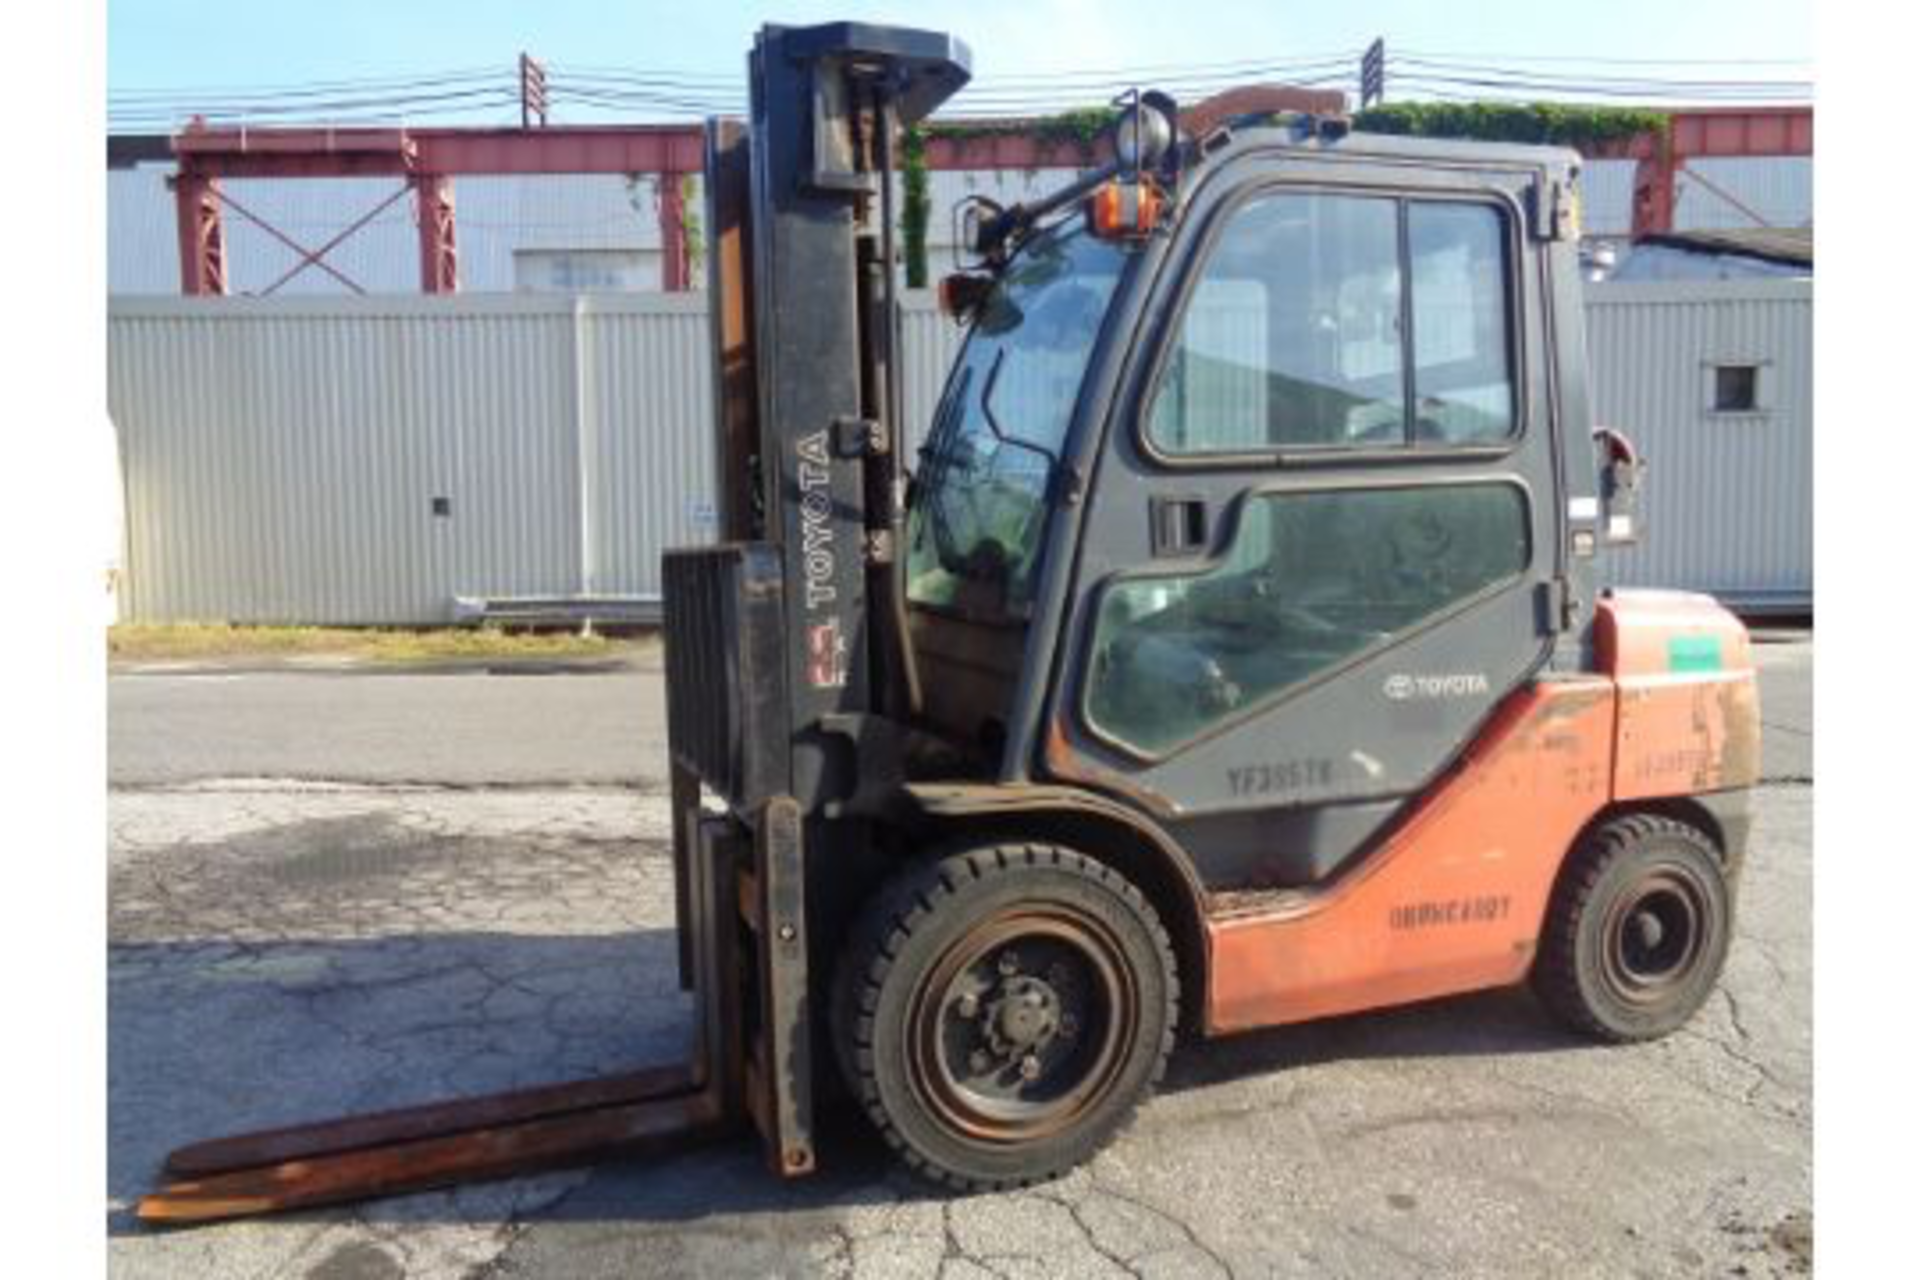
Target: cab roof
[1332,136]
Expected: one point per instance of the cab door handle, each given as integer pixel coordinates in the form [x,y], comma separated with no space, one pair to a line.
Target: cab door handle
[1178,525]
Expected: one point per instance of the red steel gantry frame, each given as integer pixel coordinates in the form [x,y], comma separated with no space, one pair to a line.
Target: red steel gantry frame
[428,161]
[1702,133]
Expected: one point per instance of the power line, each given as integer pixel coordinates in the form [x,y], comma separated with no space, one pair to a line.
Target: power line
[1641,93]
[1595,60]
[732,80]
[361,114]
[612,91]
[1490,69]
[312,87]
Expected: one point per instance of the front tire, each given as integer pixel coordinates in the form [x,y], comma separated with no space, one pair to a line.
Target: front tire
[1001,1012]
[1638,930]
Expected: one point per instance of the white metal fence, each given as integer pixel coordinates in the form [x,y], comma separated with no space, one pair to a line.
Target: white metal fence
[368,460]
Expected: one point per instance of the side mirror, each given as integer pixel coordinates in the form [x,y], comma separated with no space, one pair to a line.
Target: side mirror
[971,218]
[1621,471]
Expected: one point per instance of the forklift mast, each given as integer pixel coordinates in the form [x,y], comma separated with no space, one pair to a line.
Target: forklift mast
[787,648]
[808,427]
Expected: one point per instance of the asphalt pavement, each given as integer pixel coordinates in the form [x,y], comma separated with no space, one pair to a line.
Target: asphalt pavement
[341,892]
[586,725]
[581,725]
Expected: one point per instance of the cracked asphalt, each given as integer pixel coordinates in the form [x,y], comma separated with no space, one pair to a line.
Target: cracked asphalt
[482,899]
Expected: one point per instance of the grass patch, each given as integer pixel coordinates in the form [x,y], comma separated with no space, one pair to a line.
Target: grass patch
[195,641]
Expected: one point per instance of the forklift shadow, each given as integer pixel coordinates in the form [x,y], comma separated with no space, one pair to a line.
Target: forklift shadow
[857,1169]
[208,1038]
[1483,1024]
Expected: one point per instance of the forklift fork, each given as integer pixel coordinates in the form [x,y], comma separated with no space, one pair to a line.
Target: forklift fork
[743,949]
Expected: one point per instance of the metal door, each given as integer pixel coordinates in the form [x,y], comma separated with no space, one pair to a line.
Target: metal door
[1322,537]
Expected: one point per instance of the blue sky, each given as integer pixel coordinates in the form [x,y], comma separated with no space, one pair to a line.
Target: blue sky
[173,44]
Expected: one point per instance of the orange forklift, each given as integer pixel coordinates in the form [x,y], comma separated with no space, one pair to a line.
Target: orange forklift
[1230,656]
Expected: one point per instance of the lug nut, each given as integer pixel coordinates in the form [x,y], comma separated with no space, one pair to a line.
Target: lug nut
[1029,1068]
[1009,964]
[970,1005]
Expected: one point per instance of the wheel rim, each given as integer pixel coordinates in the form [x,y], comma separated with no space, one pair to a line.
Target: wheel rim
[1655,935]
[1023,1025]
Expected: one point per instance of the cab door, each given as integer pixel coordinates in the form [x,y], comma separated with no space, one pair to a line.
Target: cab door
[1321,538]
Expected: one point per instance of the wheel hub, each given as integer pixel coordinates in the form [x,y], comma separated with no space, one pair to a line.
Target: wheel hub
[1023,1014]
[1027,1027]
[1656,937]
[1651,931]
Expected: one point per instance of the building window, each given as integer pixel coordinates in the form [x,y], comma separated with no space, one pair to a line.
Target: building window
[1736,388]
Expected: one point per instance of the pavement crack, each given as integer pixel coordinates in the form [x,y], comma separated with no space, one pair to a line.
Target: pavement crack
[1127,1198]
[1760,1074]
[1074,1212]
[950,1240]
[1733,1014]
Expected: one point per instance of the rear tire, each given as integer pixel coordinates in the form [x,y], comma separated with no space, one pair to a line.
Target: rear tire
[1001,1013]
[1638,930]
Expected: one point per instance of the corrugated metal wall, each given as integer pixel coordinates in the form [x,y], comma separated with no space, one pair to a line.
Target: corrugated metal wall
[282,456]
[1729,496]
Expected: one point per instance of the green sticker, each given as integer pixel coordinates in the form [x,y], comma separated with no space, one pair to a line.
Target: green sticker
[1693,653]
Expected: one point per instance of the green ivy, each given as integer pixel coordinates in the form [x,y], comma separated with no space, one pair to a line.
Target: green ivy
[1551,123]
[1538,122]
[917,206]
[695,231]
[1080,128]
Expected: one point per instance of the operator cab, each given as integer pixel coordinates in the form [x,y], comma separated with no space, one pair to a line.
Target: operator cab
[991,472]
[1250,516]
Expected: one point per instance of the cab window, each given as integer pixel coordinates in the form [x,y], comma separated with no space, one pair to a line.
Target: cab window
[1341,321]
[1312,580]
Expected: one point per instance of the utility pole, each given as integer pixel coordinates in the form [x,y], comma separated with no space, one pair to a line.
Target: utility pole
[533,92]
[1373,74]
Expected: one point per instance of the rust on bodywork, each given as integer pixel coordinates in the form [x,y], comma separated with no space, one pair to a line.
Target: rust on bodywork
[1065,763]
[1453,900]
[305,1142]
[997,799]
[1689,696]
[420,1148]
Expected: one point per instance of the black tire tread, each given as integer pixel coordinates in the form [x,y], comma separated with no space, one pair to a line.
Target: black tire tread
[1556,968]
[909,903]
